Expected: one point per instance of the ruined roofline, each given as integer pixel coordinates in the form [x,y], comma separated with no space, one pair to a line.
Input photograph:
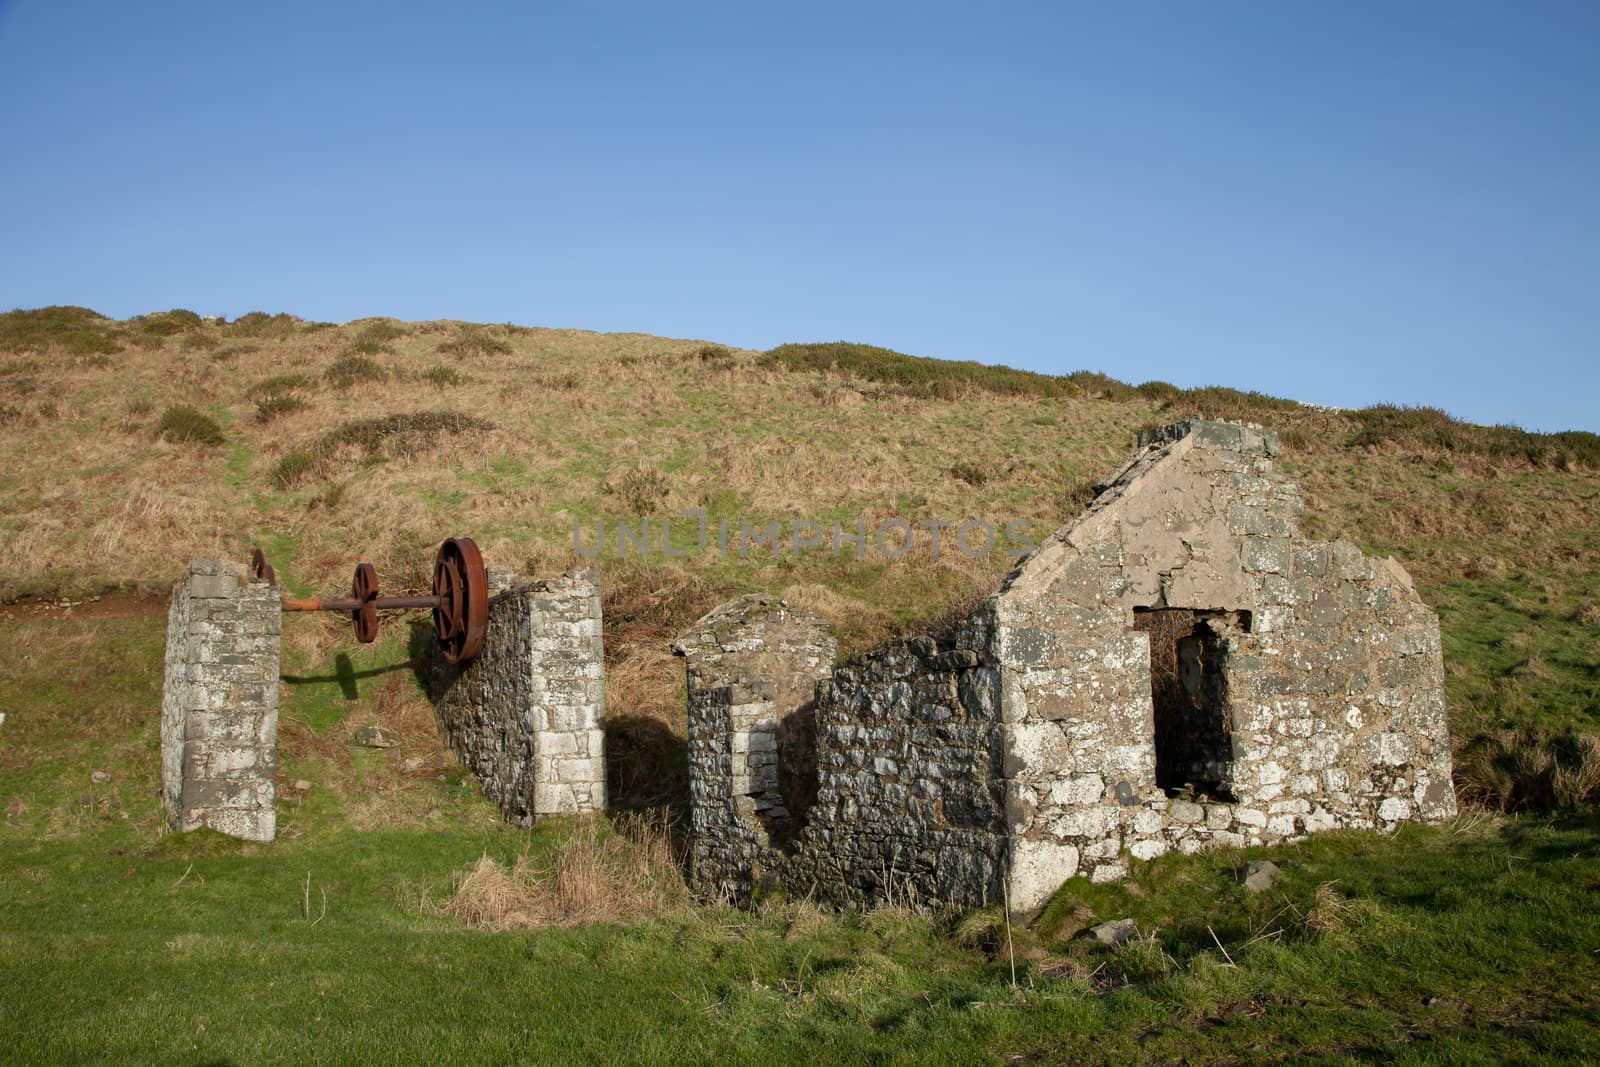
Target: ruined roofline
[1245,437]
[1151,448]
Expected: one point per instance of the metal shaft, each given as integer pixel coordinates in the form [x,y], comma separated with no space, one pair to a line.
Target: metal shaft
[346,604]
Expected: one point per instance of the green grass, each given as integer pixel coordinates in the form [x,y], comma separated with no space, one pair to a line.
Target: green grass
[1478,942]
[1534,662]
[1478,945]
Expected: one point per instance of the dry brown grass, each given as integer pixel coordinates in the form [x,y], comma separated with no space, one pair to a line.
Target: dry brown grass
[1333,912]
[598,873]
[647,680]
[1510,771]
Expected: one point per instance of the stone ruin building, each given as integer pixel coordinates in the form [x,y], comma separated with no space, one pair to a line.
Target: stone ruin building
[526,717]
[1177,668]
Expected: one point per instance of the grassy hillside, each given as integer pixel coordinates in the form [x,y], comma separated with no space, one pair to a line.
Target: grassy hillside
[136,445]
[140,444]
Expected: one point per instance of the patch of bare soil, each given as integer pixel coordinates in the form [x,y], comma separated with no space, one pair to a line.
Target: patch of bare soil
[104,606]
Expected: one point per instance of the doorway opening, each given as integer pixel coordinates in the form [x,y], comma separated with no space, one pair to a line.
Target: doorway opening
[1188,686]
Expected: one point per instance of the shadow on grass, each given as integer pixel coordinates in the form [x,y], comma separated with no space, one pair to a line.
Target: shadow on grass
[647,765]
[419,653]
[345,674]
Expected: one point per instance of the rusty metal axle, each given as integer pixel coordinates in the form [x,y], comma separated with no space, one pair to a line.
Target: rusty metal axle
[460,600]
[404,603]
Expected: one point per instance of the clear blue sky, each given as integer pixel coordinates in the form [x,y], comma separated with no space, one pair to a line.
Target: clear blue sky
[1340,202]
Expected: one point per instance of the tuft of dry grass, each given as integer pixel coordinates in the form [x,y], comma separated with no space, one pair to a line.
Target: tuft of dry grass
[625,872]
[1511,771]
[1333,912]
[475,341]
[353,367]
[401,436]
[277,405]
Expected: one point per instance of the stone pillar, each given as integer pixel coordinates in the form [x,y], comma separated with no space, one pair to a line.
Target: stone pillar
[733,774]
[752,725]
[219,703]
[527,717]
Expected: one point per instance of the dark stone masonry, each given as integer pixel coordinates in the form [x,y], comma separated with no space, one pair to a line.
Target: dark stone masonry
[527,717]
[752,668]
[1176,669]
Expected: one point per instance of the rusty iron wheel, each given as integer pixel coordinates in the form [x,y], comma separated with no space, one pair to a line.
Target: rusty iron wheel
[364,590]
[462,586]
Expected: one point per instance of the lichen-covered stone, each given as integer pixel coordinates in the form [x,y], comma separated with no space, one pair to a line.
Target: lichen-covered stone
[219,703]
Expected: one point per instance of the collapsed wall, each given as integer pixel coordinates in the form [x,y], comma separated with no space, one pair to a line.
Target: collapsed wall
[751,670]
[1176,669]
[527,716]
[902,755]
[219,703]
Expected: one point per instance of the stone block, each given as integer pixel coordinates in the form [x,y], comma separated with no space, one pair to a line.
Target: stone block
[1394,809]
[1148,848]
[1038,868]
[1077,789]
[217,586]
[1184,811]
[1105,873]
[1036,751]
[554,798]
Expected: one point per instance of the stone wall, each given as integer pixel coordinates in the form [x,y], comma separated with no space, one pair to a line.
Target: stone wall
[910,800]
[527,717]
[762,638]
[1298,687]
[219,703]
[733,788]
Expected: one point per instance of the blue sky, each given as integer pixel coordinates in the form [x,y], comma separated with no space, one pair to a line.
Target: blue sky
[1345,203]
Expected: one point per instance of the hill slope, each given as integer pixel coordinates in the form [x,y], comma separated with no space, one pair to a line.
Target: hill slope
[375,439]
